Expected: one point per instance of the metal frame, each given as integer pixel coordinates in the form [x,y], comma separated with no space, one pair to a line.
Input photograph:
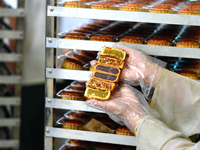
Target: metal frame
[52,73]
[148,49]
[16,79]
[57,11]
[9,12]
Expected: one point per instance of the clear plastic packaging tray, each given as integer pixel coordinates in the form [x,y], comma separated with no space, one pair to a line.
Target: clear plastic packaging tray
[71,95]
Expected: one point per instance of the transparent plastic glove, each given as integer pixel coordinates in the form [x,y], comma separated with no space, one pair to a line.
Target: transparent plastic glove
[140,69]
[126,106]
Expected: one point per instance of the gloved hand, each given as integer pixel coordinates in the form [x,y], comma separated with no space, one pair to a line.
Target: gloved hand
[139,69]
[126,106]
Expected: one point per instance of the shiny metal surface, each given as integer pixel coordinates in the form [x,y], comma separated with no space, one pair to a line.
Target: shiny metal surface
[69,104]
[10,57]
[49,82]
[9,12]
[10,101]
[124,15]
[9,122]
[11,34]
[148,49]
[68,74]
[91,136]
[12,79]
[9,143]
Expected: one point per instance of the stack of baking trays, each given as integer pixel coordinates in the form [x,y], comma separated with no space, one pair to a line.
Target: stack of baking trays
[86,145]
[152,6]
[132,33]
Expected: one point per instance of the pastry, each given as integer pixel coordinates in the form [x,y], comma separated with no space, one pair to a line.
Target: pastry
[109,61]
[105,76]
[76,4]
[76,36]
[101,85]
[190,44]
[162,8]
[80,142]
[189,74]
[136,6]
[80,116]
[70,63]
[123,130]
[72,95]
[107,69]
[158,42]
[77,88]
[96,94]
[88,54]
[73,124]
[106,6]
[112,52]
[189,11]
[99,37]
[81,58]
[78,83]
[132,40]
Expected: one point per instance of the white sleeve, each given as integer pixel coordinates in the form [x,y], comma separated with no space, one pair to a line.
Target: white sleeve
[152,134]
[177,99]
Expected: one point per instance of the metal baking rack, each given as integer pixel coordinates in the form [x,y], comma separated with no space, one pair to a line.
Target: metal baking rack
[149,49]
[52,73]
[11,100]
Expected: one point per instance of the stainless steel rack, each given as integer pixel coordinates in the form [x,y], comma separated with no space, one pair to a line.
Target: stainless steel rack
[13,99]
[53,44]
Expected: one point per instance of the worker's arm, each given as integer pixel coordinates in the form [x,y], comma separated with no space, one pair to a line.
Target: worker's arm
[177,100]
[152,134]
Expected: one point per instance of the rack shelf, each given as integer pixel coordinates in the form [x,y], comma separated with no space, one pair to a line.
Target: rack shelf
[9,143]
[149,49]
[12,79]
[9,122]
[58,73]
[10,57]
[9,12]
[68,74]
[11,34]
[10,101]
[57,11]
[90,136]
[69,104]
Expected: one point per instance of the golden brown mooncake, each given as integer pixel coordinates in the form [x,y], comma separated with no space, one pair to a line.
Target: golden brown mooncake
[76,36]
[76,4]
[190,44]
[97,94]
[135,6]
[107,69]
[72,95]
[123,130]
[108,51]
[73,124]
[110,61]
[70,63]
[105,76]
[80,142]
[81,58]
[101,85]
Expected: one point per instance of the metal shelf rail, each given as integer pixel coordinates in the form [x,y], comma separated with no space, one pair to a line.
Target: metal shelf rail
[53,44]
[148,49]
[57,11]
[13,101]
